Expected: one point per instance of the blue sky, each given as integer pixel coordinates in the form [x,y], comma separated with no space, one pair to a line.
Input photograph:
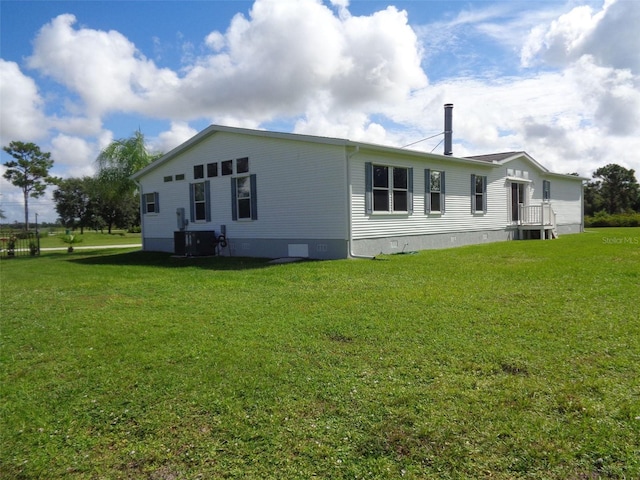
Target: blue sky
[558,79]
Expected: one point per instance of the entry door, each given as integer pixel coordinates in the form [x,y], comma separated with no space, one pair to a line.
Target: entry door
[517,197]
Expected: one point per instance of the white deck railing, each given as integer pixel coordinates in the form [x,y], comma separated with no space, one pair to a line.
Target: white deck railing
[541,214]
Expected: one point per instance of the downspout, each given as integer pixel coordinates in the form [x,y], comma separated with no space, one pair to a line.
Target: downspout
[141,214]
[350,206]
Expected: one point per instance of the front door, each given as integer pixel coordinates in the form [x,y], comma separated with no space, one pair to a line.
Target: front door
[517,198]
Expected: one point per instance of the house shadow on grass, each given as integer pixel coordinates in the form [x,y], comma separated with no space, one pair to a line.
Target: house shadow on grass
[169,261]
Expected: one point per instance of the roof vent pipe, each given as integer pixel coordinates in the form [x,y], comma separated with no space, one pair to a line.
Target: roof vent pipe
[448,128]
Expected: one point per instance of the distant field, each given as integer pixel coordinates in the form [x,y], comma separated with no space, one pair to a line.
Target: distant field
[89,238]
[513,360]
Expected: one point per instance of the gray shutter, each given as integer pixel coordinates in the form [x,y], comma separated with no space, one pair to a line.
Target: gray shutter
[484,194]
[143,204]
[254,198]
[427,191]
[156,199]
[473,193]
[368,188]
[442,191]
[234,200]
[191,203]
[207,200]
[410,190]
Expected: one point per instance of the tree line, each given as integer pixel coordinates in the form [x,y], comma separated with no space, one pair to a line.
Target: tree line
[614,190]
[108,200]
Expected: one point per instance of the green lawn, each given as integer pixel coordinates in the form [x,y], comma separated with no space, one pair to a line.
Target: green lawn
[502,361]
[89,238]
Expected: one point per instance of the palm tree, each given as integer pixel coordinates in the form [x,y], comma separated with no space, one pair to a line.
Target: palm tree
[122,158]
[116,163]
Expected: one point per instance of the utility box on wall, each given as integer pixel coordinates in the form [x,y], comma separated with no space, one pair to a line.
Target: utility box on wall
[181,219]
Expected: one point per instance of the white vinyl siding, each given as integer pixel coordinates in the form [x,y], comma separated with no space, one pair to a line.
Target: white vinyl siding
[458,216]
[301,188]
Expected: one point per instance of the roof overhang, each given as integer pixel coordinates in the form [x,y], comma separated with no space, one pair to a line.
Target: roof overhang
[488,161]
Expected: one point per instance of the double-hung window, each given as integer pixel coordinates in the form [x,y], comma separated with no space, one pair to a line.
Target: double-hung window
[546,190]
[434,191]
[478,194]
[200,196]
[244,199]
[388,189]
[150,203]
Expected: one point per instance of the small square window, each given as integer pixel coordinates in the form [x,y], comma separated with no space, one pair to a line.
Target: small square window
[179,176]
[168,178]
[198,171]
[242,165]
[227,167]
[212,169]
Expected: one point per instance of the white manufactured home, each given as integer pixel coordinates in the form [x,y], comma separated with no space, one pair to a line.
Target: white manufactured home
[240,192]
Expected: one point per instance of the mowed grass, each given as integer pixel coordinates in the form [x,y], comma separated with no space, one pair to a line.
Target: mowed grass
[89,238]
[507,360]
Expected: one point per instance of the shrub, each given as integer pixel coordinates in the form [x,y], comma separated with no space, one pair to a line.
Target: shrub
[603,219]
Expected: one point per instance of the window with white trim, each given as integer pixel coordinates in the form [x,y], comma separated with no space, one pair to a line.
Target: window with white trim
[227,167]
[546,190]
[199,194]
[242,165]
[244,204]
[388,189]
[434,191]
[150,203]
[478,194]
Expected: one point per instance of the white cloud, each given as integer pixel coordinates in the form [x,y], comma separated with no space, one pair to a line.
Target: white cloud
[104,68]
[73,155]
[328,72]
[609,35]
[21,116]
[167,141]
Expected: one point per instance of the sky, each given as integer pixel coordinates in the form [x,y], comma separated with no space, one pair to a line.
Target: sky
[557,79]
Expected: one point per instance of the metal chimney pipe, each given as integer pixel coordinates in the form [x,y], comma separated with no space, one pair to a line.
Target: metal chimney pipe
[448,128]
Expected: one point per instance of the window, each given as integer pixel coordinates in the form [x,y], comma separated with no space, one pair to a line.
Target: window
[244,203]
[380,189]
[478,194]
[388,189]
[200,195]
[150,203]
[434,182]
[198,171]
[212,169]
[168,178]
[227,167]
[546,190]
[242,165]
[400,189]
[179,176]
